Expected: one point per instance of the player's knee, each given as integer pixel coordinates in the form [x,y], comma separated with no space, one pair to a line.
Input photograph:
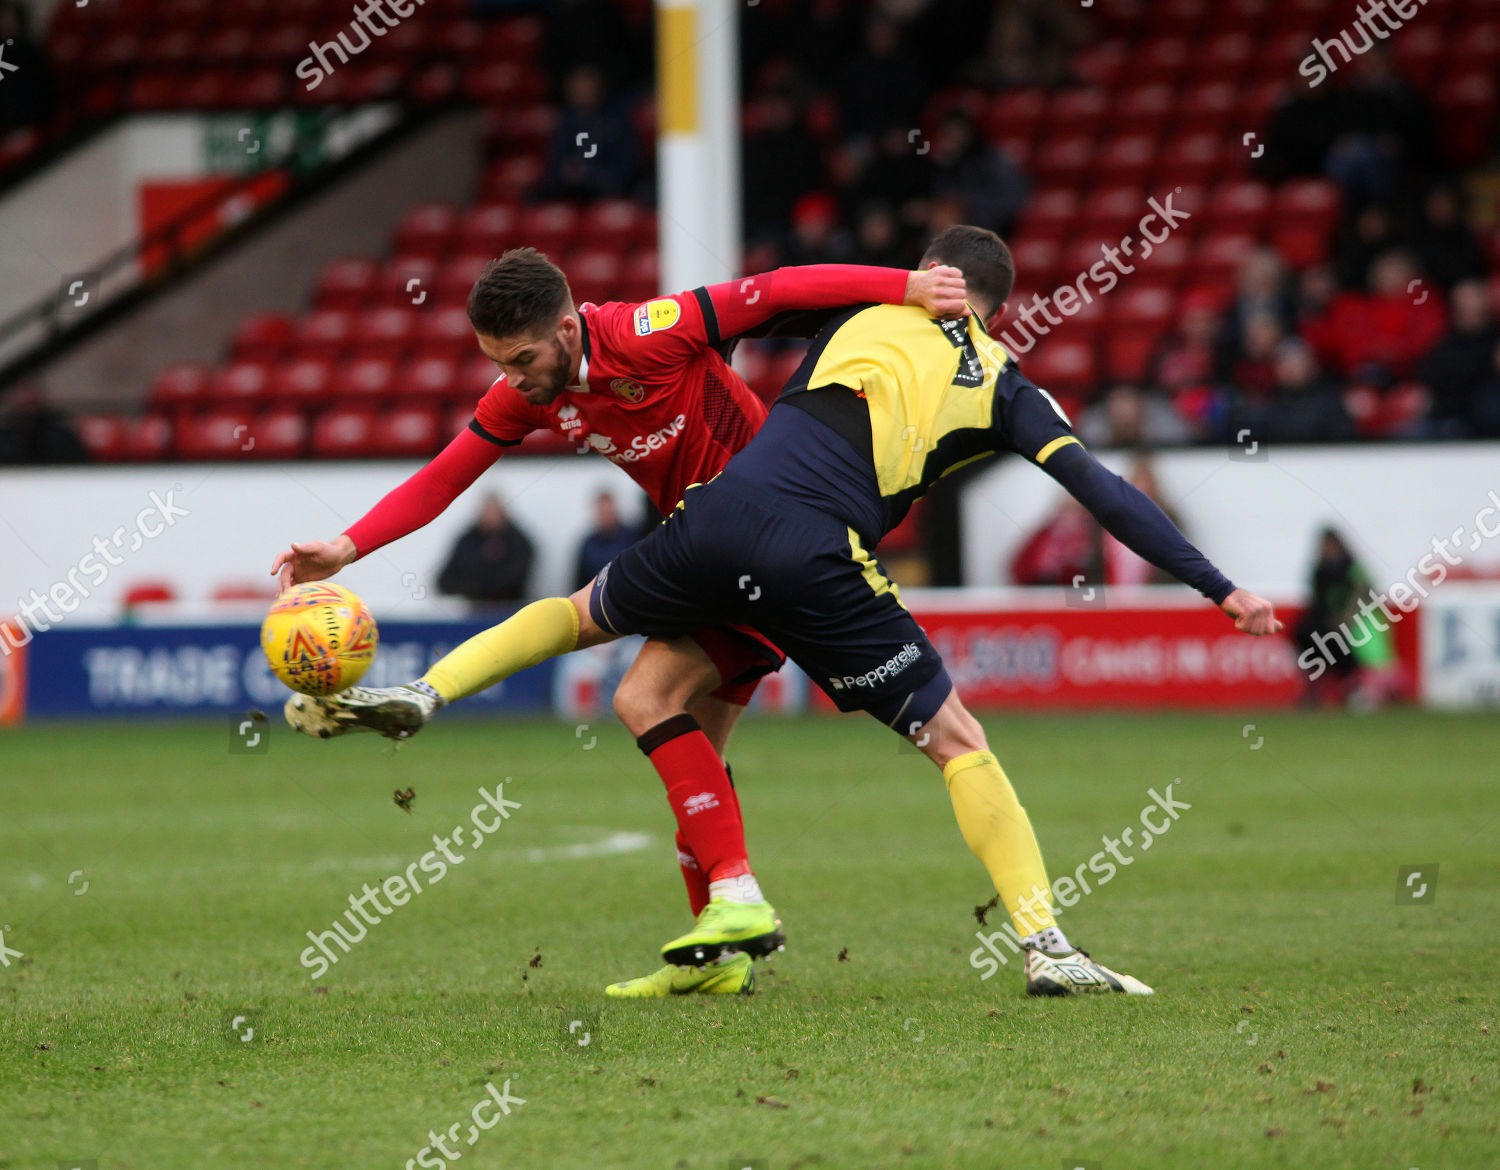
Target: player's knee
[960,733]
[637,706]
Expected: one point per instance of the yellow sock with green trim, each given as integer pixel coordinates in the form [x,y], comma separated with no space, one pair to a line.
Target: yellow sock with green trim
[541,630]
[997,829]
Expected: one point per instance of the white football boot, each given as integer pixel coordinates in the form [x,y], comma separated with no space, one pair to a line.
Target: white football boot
[1075,973]
[395,712]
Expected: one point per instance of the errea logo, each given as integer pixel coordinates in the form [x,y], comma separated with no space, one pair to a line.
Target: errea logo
[696,804]
[568,416]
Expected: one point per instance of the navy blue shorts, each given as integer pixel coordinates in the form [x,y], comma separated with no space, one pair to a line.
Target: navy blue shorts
[730,554]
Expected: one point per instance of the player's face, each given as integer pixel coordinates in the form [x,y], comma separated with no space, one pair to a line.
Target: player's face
[539,366]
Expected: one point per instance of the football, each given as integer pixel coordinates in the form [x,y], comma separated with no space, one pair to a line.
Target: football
[319,638]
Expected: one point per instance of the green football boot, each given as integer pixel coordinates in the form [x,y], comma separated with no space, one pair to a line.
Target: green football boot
[727,926]
[731,975]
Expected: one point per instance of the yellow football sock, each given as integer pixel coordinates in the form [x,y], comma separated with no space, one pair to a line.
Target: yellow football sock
[541,630]
[997,829]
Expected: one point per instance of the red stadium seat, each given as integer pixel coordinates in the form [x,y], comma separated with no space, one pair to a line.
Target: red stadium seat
[429,229]
[1208,106]
[179,389]
[385,333]
[408,432]
[406,282]
[1125,158]
[343,434]
[149,439]
[152,592]
[1104,64]
[303,383]
[103,436]
[1039,260]
[1199,157]
[347,284]
[1065,162]
[431,379]
[642,276]
[1144,109]
[358,382]
[444,333]
[1163,59]
[240,385]
[265,336]
[1112,211]
[1076,111]
[616,223]
[514,176]
[1063,366]
[594,276]
[1128,352]
[1466,116]
[220,435]
[324,333]
[1016,111]
[278,434]
[489,228]
[1238,207]
[1140,305]
[1225,57]
[550,227]
[1050,213]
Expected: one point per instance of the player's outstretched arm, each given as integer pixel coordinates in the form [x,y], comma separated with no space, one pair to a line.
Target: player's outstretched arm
[751,305]
[417,502]
[1254,615]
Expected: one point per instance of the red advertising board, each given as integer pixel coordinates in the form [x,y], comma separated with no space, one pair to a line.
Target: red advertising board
[1146,654]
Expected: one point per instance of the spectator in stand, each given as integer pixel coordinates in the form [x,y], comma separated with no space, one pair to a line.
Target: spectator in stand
[1462,360]
[1030,42]
[1254,375]
[1065,550]
[884,87]
[817,236]
[879,239]
[1303,129]
[897,174]
[1304,406]
[592,153]
[985,181]
[1445,244]
[597,33]
[1260,291]
[781,163]
[1364,238]
[1380,336]
[1484,415]
[609,537]
[1124,566]
[27,97]
[31,431]
[1128,418]
[1387,131]
[491,561]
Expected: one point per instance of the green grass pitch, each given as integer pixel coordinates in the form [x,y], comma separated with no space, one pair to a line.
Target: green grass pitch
[153,886]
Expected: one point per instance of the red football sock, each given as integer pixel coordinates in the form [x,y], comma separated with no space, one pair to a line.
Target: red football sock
[693,876]
[702,799]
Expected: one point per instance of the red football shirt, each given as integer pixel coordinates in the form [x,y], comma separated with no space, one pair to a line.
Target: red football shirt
[655,395]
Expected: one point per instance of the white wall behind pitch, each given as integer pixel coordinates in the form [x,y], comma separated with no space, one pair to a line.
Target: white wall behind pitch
[240,517]
[1258,520]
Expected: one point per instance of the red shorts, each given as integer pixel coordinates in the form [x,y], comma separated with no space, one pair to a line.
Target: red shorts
[743,656]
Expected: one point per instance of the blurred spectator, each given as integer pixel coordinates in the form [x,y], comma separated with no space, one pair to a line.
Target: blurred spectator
[1364,239]
[990,187]
[1357,654]
[596,33]
[1485,411]
[1446,246]
[1260,291]
[1302,130]
[1462,360]
[1255,372]
[1030,42]
[609,537]
[1123,566]
[897,174]
[1387,131]
[1185,358]
[1065,550]
[879,241]
[27,97]
[1303,406]
[884,86]
[491,561]
[1381,335]
[817,237]
[781,163]
[1126,417]
[31,431]
[592,153]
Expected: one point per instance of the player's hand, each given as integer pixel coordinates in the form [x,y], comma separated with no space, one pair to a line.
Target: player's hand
[314,560]
[1254,615]
[939,289]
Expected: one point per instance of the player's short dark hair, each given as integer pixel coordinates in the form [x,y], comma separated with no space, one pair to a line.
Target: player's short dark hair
[983,257]
[520,294]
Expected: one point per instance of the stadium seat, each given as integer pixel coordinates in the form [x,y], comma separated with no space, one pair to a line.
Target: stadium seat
[1144,109]
[1111,211]
[1218,256]
[240,385]
[148,592]
[1064,367]
[1199,157]
[429,229]
[1125,159]
[385,333]
[616,224]
[409,432]
[103,436]
[550,227]
[1238,207]
[324,333]
[1017,111]
[1163,59]
[264,336]
[1075,111]
[343,434]
[1039,260]
[489,228]
[219,435]
[278,434]
[1128,352]
[1050,214]
[179,389]
[433,378]
[513,176]
[594,276]
[1224,58]
[149,439]
[1208,106]
[347,284]
[302,383]
[1065,162]
[361,381]
[456,279]
[444,333]
[406,282]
